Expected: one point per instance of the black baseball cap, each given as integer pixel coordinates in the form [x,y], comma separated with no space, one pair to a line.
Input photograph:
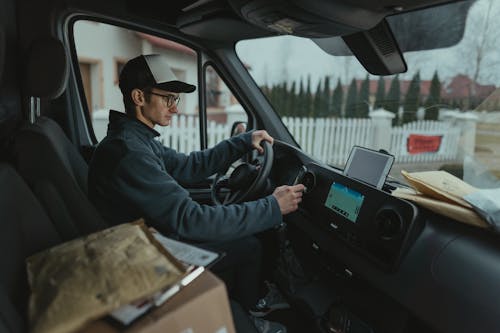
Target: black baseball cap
[153,71]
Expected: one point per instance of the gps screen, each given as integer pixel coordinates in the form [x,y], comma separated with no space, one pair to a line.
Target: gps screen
[368,166]
[344,201]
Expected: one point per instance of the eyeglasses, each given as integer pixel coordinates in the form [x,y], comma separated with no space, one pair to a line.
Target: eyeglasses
[169,100]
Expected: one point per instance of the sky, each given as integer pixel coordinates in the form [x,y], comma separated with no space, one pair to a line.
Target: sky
[275,59]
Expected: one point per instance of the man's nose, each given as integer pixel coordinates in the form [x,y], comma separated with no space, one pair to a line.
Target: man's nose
[174,109]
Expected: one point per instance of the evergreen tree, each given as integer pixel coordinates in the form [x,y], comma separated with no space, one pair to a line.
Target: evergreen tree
[309,110]
[276,98]
[326,99]
[270,96]
[380,95]
[293,100]
[351,99]
[434,99]
[317,101]
[301,100]
[393,99]
[283,99]
[363,104]
[337,99]
[286,100]
[412,98]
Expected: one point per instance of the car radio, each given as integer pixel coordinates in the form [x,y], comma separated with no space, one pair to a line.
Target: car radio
[372,221]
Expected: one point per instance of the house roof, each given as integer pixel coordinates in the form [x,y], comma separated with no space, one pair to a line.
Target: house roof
[462,86]
[459,87]
[167,44]
[425,86]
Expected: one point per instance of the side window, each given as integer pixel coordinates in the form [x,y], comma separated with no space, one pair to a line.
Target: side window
[225,115]
[103,50]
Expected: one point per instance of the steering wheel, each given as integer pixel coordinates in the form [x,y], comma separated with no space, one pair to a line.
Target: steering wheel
[246,181]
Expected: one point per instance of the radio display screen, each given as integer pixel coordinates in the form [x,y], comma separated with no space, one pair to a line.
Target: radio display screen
[344,201]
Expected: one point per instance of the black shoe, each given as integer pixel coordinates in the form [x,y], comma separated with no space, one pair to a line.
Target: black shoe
[266,326]
[273,300]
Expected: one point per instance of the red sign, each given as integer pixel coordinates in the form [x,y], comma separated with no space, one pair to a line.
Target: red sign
[417,144]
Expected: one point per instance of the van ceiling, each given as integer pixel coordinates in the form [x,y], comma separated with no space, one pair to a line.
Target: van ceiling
[309,18]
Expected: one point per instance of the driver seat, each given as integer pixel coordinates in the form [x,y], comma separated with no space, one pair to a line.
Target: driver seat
[44,156]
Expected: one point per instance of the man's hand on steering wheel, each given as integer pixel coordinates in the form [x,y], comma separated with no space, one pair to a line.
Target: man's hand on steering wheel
[248,179]
[258,137]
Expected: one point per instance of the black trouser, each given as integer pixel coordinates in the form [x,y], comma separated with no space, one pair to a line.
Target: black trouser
[242,322]
[239,268]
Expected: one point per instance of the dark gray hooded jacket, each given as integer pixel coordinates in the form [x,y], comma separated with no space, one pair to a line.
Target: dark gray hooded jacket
[132,175]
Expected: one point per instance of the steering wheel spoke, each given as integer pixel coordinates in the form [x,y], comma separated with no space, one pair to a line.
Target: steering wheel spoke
[230,197]
[221,181]
[246,180]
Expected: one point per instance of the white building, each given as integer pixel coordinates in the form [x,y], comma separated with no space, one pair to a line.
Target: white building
[103,49]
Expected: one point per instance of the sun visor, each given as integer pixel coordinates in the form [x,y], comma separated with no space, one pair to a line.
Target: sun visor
[426,29]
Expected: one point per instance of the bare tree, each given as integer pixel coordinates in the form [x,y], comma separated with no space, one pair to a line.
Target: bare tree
[480,49]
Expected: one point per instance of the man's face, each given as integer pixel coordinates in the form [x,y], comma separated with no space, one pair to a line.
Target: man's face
[159,108]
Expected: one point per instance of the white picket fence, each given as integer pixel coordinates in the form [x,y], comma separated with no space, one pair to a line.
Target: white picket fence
[183,134]
[327,139]
[330,139]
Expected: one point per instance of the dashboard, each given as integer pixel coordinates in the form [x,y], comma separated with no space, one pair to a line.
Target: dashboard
[370,221]
[421,261]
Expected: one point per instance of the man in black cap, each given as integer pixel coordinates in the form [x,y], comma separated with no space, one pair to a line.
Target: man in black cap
[132,175]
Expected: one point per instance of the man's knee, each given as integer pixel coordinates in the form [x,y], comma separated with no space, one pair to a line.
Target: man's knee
[239,253]
[250,248]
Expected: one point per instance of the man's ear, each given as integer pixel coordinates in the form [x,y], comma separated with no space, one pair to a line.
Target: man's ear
[137,97]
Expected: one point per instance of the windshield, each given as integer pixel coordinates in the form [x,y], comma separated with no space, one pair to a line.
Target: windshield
[442,114]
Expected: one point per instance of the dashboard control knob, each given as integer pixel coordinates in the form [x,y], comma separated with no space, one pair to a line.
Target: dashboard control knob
[309,181]
[389,224]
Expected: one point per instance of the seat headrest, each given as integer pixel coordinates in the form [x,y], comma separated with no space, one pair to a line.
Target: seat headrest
[46,68]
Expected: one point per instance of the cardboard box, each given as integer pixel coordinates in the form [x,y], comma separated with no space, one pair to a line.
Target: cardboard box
[202,306]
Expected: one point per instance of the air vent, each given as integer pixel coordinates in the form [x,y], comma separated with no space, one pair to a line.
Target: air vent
[389,224]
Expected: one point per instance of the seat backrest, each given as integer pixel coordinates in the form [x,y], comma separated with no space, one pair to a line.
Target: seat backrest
[57,173]
[46,158]
[25,230]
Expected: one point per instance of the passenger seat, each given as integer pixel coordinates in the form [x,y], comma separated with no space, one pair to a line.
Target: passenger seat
[44,156]
[26,230]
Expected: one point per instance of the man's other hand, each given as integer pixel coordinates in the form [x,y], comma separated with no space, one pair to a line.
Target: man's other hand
[289,197]
[258,137]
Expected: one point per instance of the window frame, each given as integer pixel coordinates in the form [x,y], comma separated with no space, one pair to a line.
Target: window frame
[80,115]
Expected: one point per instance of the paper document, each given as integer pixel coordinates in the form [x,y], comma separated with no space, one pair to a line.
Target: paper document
[450,196]
[487,204]
[456,212]
[191,256]
[440,185]
[128,313]
[186,253]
